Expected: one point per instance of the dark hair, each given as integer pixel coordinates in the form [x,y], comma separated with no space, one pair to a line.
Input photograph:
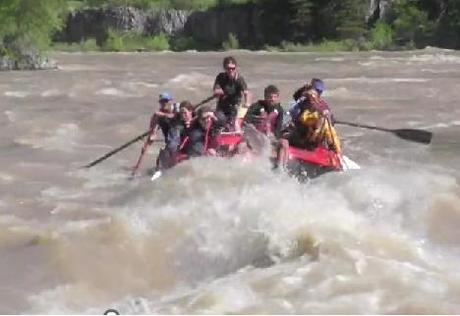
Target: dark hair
[204,109]
[187,105]
[229,60]
[271,89]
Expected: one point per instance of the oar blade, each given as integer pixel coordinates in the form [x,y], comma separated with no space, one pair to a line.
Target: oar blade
[415,135]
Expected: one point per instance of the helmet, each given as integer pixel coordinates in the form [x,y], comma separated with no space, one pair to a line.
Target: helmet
[318,84]
[165,96]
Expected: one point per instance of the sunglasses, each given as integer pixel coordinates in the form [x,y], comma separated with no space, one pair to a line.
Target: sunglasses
[230,68]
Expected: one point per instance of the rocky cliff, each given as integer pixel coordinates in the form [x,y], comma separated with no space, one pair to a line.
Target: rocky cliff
[94,23]
[28,61]
[212,26]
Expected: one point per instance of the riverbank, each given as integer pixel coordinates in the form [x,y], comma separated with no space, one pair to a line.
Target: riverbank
[29,29]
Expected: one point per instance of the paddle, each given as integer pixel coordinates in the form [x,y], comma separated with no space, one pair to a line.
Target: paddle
[203,102]
[144,148]
[414,135]
[146,144]
[113,152]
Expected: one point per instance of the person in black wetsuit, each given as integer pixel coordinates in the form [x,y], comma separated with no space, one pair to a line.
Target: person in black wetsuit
[230,88]
[161,119]
[177,137]
[201,135]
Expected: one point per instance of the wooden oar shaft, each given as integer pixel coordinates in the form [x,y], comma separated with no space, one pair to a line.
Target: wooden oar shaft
[95,162]
[364,126]
[111,153]
[414,135]
[139,160]
[196,106]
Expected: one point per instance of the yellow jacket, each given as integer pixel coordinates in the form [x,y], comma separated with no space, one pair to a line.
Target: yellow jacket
[319,130]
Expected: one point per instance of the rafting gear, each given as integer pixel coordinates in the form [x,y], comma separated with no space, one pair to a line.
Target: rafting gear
[414,135]
[267,119]
[306,164]
[165,96]
[318,85]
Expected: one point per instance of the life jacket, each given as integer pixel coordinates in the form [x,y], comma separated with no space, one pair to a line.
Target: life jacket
[267,122]
[318,130]
[197,140]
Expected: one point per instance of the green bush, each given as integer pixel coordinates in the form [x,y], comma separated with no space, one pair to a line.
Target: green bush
[324,46]
[89,45]
[114,42]
[130,42]
[26,26]
[231,42]
[185,43]
[135,42]
[159,42]
[381,36]
[411,24]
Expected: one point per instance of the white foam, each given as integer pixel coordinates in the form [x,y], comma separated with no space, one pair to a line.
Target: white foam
[81,225]
[435,59]
[11,116]
[57,193]
[380,80]
[136,84]
[110,91]
[64,138]
[115,92]
[342,92]
[50,93]
[334,59]
[443,124]
[8,219]
[191,81]
[6,177]
[17,94]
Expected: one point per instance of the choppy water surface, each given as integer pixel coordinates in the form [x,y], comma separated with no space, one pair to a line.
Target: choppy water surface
[228,236]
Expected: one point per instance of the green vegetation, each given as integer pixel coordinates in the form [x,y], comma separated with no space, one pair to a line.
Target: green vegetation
[231,42]
[130,42]
[412,24]
[89,45]
[323,46]
[26,25]
[381,36]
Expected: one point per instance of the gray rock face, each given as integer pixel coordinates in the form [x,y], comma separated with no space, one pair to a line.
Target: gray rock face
[170,22]
[95,23]
[385,8]
[211,26]
[27,62]
[215,25]
[379,10]
[125,19]
[6,63]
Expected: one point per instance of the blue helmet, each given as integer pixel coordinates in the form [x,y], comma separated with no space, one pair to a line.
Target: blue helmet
[318,84]
[165,96]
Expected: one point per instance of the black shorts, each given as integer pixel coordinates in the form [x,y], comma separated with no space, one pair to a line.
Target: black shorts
[229,111]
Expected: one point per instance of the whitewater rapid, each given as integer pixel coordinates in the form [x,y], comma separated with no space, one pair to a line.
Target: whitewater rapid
[216,236]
